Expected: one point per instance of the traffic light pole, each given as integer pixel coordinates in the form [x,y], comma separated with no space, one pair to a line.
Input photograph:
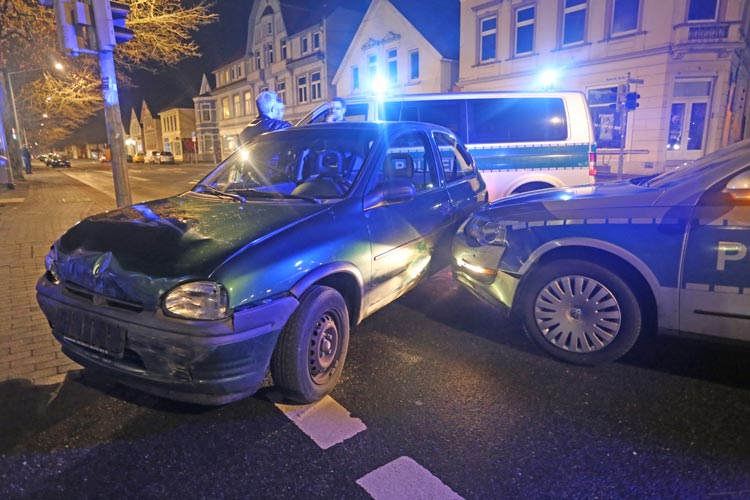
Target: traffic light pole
[623,130]
[114,128]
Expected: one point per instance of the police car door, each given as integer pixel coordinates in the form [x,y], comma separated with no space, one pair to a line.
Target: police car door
[715,293]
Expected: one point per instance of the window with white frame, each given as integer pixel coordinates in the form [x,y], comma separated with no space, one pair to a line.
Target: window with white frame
[372,66]
[269,28]
[231,74]
[236,105]
[316,40]
[302,89]
[603,116]
[206,114]
[414,65]
[239,70]
[283,50]
[249,103]
[315,90]
[257,59]
[304,45]
[688,115]
[525,30]
[703,10]
[574,22]
[625,16]
[269,53]
[355,78]
[488,38]
[225,113]
[281,90]
[393,66]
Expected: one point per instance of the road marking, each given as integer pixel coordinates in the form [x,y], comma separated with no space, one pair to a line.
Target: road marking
[139,178]
[326,422]
[12,200]
[405,479]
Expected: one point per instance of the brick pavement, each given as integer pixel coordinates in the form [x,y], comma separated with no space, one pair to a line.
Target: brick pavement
[32,216]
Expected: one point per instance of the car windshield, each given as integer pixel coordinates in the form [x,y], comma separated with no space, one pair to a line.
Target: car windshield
[312,163]
[706,166]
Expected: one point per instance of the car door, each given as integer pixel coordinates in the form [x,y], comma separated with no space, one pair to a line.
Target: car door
[715,292]
[404,235]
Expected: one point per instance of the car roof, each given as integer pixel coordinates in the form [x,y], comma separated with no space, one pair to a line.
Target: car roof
[389,127]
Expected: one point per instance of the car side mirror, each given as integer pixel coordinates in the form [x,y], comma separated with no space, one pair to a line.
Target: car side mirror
[738,187]
[389,194]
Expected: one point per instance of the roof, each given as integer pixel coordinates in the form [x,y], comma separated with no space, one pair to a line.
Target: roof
[441,28]
[301,14]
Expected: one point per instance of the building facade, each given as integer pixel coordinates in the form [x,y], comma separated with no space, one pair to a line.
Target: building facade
[152,139]
[208,147]
[134,141]
[687,60]
[399,50]
[293,48]
[178,130]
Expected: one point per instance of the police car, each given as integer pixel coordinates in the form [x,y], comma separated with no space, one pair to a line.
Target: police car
[587,269]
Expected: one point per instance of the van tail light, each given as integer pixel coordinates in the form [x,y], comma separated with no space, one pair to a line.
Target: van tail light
[592,164]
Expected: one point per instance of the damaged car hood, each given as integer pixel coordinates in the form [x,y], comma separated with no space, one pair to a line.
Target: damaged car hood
[158,243]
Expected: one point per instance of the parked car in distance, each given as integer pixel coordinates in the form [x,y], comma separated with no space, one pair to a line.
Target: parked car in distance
[589,268]
[42,158]
[138,158]
[164,157]
[151,157]
[268,261]
[59,161]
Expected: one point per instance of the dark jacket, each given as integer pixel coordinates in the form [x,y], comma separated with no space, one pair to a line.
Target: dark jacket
[260,124]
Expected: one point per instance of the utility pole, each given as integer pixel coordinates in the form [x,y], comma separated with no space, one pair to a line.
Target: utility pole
[96,27]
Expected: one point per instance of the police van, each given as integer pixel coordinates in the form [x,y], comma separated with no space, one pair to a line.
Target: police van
[520,141]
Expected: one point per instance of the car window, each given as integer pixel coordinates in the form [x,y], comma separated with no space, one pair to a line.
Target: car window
[516,120]
[408,160]
[315,162]
[456,161]
[448,113]
[703,167]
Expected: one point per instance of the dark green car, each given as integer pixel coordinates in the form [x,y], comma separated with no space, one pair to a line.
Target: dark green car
[268,261]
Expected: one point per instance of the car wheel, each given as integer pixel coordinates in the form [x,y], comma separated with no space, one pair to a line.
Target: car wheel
[310,354]
[580,312]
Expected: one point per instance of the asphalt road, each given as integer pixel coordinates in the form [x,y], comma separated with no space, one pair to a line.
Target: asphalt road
[446,399]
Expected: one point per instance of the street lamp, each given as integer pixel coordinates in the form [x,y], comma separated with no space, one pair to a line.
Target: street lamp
[59,67]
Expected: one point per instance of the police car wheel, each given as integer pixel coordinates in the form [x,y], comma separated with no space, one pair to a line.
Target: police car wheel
[311,351]
[580,312]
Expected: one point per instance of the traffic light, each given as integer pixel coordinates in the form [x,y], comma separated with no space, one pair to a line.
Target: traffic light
[631,100]
[110,19]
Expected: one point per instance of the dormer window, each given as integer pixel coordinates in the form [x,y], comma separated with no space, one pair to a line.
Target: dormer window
[305,47]
[316,40]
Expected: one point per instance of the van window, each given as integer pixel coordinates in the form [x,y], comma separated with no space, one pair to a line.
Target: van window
[516,120]
[450,113]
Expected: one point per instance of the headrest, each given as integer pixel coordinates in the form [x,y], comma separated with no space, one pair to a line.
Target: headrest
[329,162]
[398,165]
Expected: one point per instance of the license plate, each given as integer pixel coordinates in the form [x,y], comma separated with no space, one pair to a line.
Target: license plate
[91,332]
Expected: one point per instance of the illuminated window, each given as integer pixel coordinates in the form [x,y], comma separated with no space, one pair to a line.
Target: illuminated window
[625,16]
[225,107]
[236,103]
[302,89]
[703,10]
[574,21]
[248,103]
[355,78]
[414,65]
[488,36]
[525,30]
[315,90]
[393,66]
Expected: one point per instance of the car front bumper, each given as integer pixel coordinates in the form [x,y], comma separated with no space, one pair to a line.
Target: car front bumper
[203,362]
[476,268]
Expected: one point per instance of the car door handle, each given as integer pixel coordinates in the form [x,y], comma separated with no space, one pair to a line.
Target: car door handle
[445,209]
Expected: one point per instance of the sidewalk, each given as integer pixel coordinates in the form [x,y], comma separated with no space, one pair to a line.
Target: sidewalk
[32,216]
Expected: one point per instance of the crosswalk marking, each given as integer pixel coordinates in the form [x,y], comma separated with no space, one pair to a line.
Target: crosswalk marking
[326,422]
[405,479]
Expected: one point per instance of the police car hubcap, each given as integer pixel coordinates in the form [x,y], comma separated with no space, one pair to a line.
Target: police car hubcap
[577,314]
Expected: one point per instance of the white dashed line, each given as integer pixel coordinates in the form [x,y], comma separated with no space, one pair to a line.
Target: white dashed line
[326,422]
[12,200]
[139,178]
[405,479]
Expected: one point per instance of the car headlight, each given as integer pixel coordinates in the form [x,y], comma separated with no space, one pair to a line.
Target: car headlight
[198,300]
[486,232]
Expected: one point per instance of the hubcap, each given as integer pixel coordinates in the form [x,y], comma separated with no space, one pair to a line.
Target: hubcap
[324,346]
[577,314]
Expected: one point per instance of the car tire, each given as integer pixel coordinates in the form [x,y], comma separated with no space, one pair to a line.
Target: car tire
[580,312]
[311,351]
